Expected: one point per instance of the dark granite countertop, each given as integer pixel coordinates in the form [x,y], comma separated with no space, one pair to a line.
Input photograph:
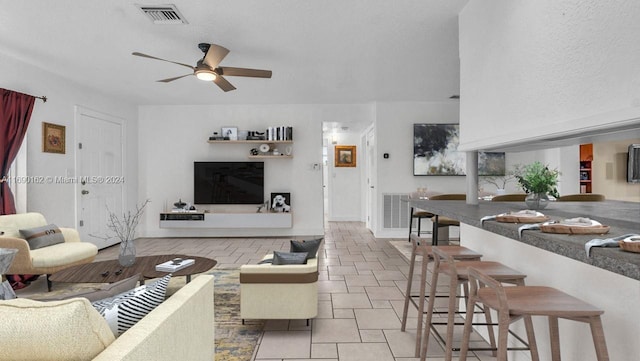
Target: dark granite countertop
[622,217]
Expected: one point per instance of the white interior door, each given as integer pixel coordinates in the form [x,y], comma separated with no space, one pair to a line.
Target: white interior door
[99,164]
[371,187]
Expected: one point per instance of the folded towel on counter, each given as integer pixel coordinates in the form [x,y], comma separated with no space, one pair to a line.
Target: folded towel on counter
[607,242]
[523,213]
[580,222]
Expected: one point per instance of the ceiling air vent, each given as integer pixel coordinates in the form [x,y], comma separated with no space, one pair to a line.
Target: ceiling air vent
[163,14]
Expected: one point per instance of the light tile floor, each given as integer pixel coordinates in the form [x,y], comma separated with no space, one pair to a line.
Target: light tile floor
[361,296]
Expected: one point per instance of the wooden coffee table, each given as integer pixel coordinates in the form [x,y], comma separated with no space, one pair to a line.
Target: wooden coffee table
[111,271]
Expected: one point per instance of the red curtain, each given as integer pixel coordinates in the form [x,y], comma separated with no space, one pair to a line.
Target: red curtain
[15,112]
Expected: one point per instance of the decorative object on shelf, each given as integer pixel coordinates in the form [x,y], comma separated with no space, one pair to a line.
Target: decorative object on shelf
[179,204]
[6,258]
[276,151]
[230,133]
[280,202]
[254,151]
[255,135]
[216,136]
[124,229]
[264,148]
[538,181]
[53,138]
[345,156]
[288,150]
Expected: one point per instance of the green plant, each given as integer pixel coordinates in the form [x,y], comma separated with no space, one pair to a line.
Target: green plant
[538,178]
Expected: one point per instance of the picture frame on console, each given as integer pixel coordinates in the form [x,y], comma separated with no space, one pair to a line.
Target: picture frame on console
[280,202]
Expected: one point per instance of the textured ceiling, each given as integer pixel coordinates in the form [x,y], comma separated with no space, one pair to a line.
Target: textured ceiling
[330,51]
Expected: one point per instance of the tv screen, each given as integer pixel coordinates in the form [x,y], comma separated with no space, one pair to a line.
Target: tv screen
[633,166]
[228,183]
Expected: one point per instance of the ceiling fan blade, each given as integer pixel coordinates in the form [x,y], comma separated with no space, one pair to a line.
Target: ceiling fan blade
[255,73]
[168,61]
[172,79]
[223,83]
[214,55]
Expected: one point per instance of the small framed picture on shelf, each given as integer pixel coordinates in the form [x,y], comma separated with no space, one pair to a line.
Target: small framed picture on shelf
[230,133]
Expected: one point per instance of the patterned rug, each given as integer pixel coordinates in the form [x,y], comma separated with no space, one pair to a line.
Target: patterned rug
[233,340]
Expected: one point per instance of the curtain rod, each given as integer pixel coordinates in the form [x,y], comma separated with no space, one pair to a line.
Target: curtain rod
[43,98]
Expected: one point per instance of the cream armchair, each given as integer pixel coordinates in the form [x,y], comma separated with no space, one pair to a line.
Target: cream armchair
[46,260]
[279,292]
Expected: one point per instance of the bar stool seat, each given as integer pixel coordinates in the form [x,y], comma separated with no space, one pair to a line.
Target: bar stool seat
[419,215]
[513,303]
[458,275]
[419,247]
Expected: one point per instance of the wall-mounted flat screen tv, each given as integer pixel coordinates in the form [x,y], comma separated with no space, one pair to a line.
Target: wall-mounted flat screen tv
[228,183]
[633,166]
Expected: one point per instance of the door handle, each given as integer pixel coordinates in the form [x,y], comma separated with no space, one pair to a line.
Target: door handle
[84,191]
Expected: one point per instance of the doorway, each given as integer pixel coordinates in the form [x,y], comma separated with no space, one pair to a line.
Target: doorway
[99,164]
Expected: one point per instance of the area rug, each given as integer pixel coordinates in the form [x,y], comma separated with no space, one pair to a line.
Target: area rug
[233,340]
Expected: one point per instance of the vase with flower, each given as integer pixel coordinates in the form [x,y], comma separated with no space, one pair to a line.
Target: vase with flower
[124,228]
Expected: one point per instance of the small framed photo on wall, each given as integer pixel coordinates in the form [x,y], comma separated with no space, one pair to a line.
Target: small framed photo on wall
[53,138]
[345,156]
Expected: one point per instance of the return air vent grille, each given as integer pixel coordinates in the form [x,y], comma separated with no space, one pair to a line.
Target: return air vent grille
[163,14]
[395,210]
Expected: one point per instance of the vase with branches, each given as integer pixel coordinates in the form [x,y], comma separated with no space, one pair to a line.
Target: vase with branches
[499,181]
[124,228]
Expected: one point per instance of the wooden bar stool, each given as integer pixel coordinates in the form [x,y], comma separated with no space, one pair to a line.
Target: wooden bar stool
[513,303]
[441,221]
[458,275]
[418,246]
[419,215]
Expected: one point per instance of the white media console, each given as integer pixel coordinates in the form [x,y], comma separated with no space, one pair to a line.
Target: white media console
[225,220]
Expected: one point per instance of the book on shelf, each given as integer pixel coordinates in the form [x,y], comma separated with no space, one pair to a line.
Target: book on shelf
[172,266]
[279,133]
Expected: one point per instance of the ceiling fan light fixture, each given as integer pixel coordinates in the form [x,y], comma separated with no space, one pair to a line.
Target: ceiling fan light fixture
[205,74]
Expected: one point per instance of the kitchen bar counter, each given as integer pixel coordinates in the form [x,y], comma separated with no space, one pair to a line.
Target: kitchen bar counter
[609,279]
[622,217]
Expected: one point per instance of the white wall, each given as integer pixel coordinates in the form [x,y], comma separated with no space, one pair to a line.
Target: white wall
[530,69]
[173,137]
[57,201]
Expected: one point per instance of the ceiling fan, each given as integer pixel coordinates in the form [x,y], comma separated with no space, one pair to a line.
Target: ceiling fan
[207,68]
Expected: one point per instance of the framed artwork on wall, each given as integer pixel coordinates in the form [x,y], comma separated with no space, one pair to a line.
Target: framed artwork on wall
[435,152]
[491,164]
[345,156]
[53,138]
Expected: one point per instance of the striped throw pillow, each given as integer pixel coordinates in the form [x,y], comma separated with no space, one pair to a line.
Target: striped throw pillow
[126,309]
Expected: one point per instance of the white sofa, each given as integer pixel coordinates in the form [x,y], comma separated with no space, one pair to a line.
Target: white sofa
[181,328]
[280,291]
[46,260]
